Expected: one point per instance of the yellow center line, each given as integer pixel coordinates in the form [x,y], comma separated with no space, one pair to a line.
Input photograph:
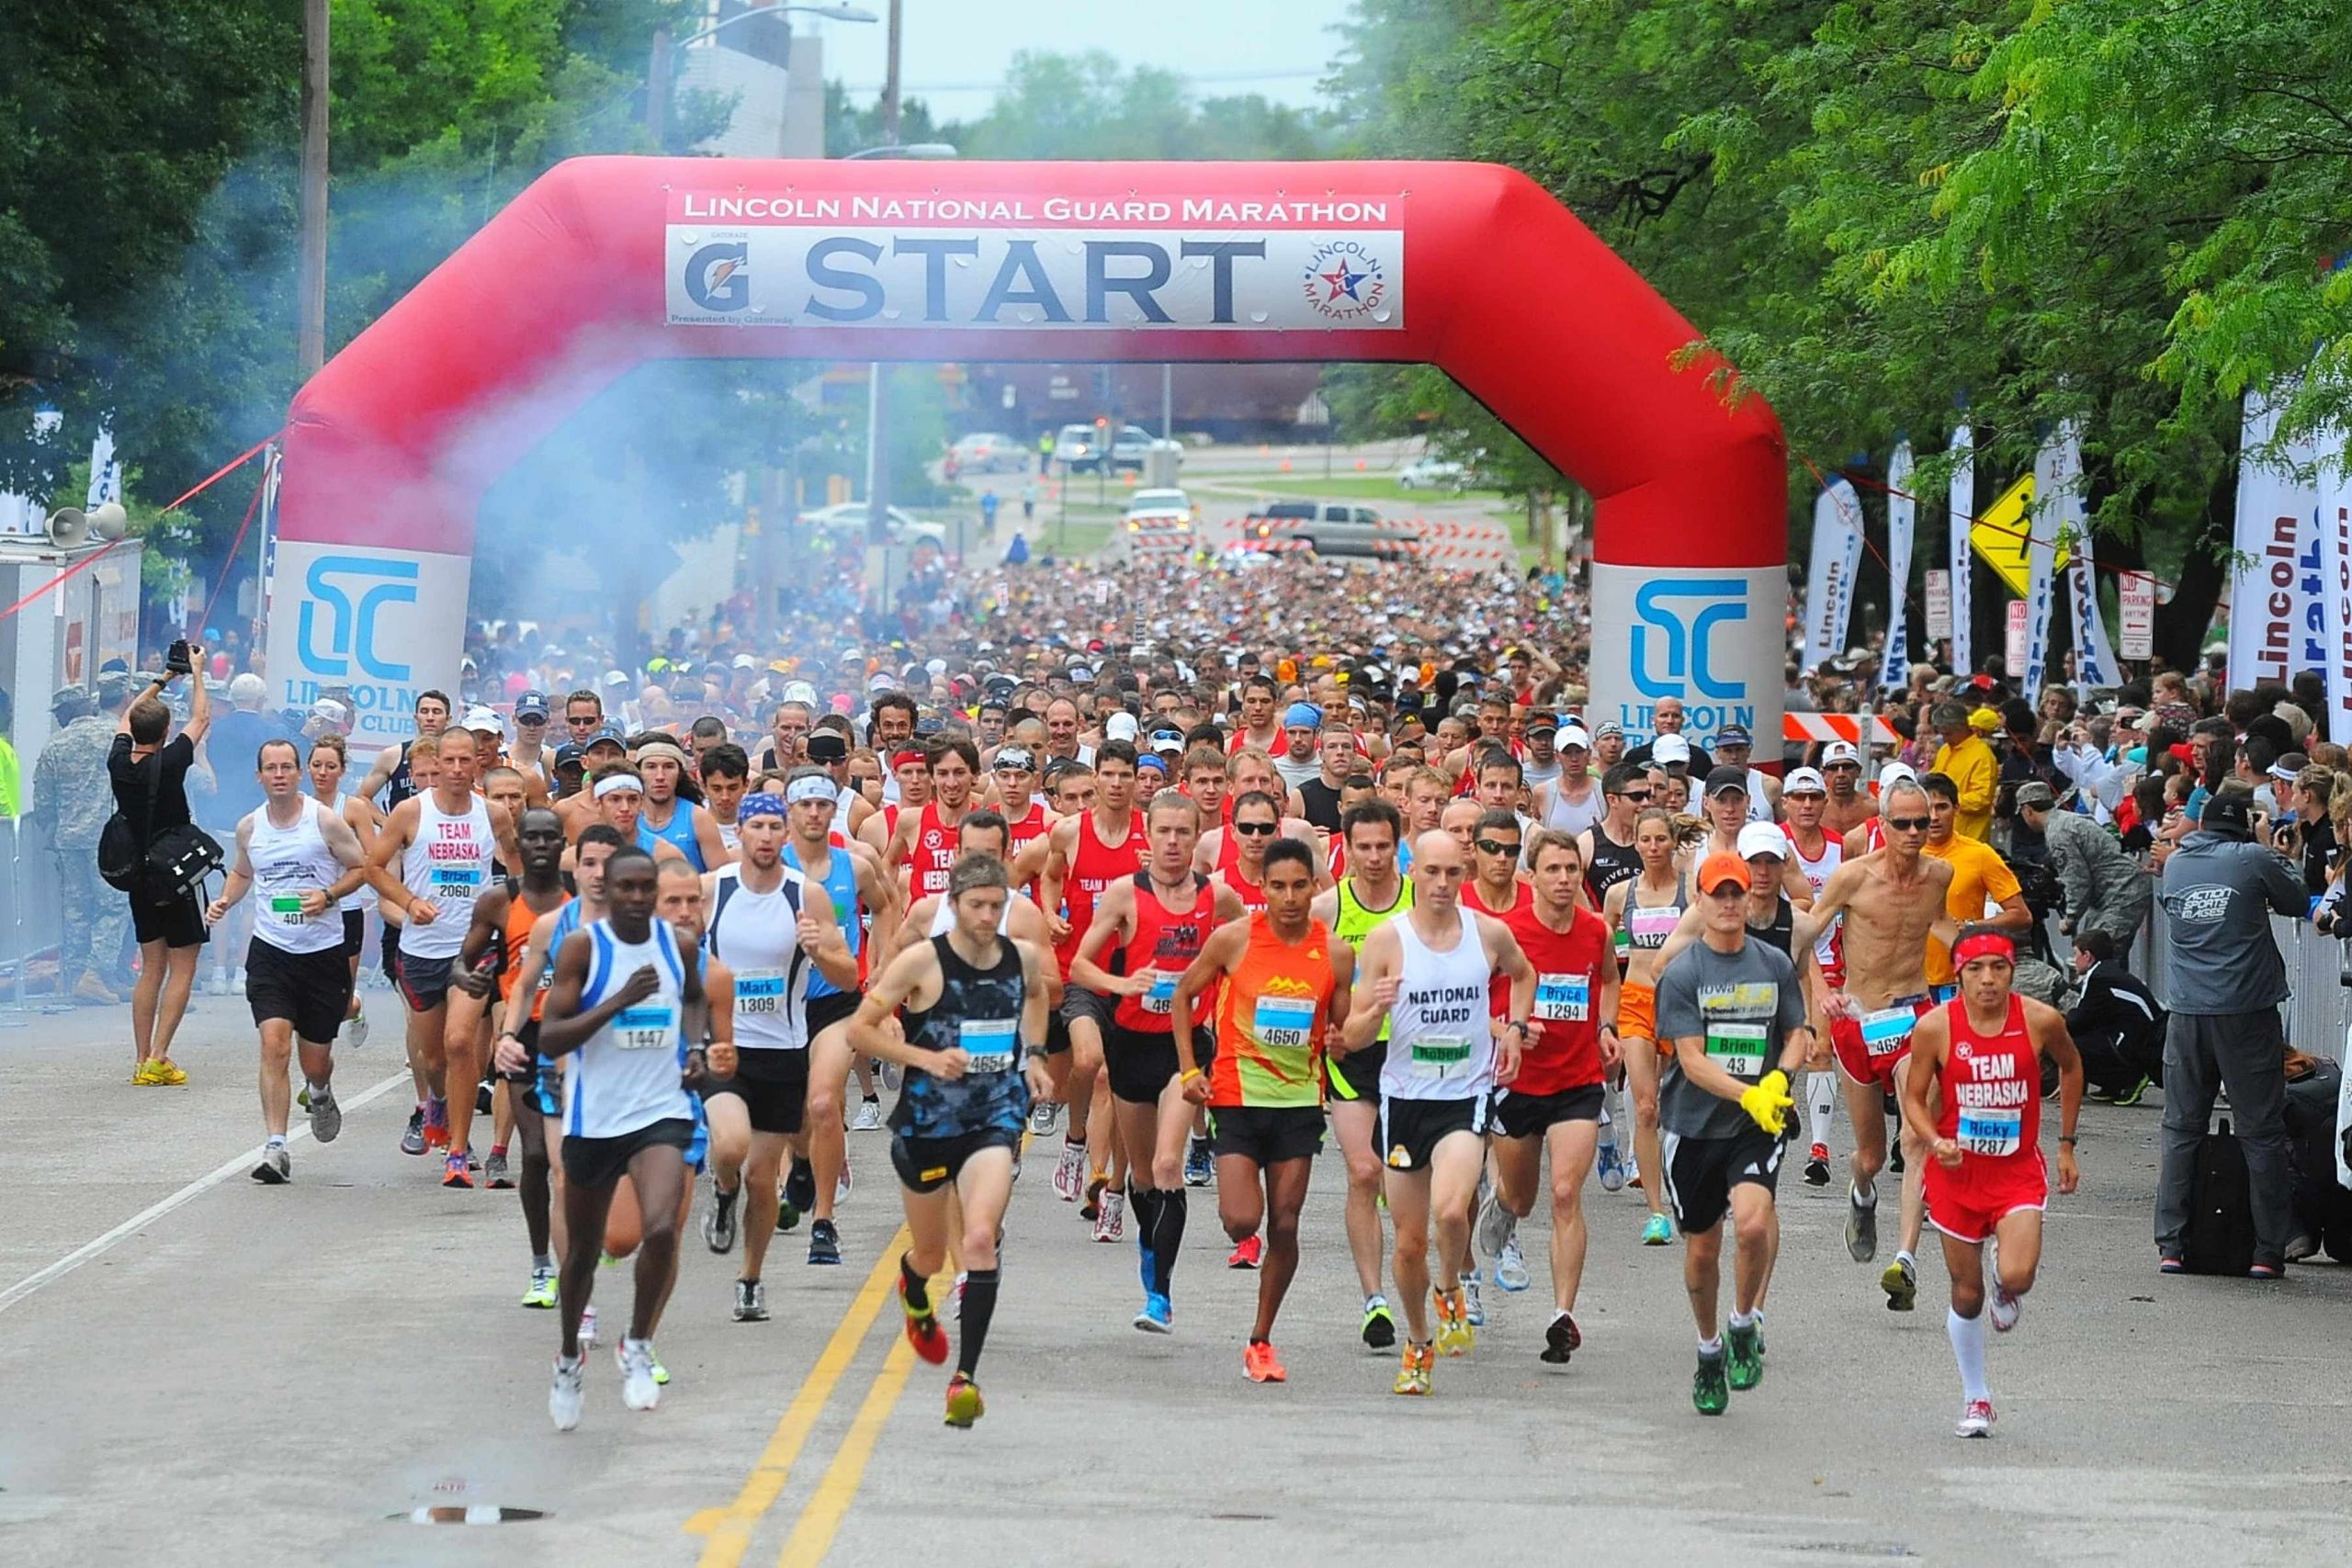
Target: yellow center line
[813,1536]
[730,1529]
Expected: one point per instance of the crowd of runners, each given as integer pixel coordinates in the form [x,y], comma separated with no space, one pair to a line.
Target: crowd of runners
[1087,880]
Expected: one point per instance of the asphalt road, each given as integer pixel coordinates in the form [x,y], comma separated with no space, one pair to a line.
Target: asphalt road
[287,1374]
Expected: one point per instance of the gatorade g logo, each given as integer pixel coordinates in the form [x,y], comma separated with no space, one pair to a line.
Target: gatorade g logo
[719,276]
[1670,648]
[350,635]
[1401,1157]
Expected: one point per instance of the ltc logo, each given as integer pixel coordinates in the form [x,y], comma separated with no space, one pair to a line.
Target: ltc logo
[719,276]
[351,631]
[1685,636]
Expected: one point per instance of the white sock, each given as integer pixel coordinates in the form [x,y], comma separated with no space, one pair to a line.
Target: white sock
[1968,1349]
[1711,1347]
[1820,1106]
[1905,1257]
[1742,1320]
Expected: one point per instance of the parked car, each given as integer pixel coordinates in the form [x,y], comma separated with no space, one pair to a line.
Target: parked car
[1166,516]
[1328,528]
[1079,448]
[849,518]
[1432,473]
[988,452]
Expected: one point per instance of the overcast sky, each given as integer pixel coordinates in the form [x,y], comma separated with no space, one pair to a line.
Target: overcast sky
[954,53]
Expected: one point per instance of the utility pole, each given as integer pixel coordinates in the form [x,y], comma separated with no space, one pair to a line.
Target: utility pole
[311,336]
[657,89]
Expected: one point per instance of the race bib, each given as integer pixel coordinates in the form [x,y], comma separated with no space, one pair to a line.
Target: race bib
[1563,999]
[988,1041]
[1990,1131]
[1162,997]
[1283,1024]
[1737,1048]
[646,1028]
[759,992]
[1434,1055]
[1887,1031]
[1652,927]
[457,882]
[285,909]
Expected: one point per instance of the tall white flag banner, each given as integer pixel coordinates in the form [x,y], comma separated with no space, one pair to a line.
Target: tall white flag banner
[105,474]
[2057,474]
[2095,662]
[2275,619]
[1902,511]
[1837,557]
[2336,554]
[1963,513]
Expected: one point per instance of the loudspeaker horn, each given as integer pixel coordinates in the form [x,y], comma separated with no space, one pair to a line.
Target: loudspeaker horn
[109,521]
[68,527]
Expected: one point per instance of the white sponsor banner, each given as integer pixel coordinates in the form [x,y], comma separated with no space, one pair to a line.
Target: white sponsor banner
[2335,576]
[2057,480]
[1939,589]
[2094,664]
[2013,646]
[2275,613]
[106,473]
[1830,586]
[802,275]
[1710,637]
[383,623]
[1902,508]
[2135,600]
[1962,508]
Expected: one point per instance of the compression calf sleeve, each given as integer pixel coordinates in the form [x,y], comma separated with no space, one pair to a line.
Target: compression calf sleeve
[1968,1349]
[1168,1235]
[918,1289]
[1820,1106]
[980,1306]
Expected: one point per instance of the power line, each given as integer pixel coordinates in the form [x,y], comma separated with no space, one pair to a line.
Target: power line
[1216,78]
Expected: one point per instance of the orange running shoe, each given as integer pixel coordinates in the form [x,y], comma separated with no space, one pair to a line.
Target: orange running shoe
[1260,1363]
[923,1328]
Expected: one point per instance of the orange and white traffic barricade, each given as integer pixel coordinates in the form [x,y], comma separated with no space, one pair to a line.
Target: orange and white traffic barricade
[1866,730]
[1456,546]
[1159,537]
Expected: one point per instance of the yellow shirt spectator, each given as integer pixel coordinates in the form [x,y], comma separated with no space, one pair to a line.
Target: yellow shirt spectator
[1971,765]
[1979,876]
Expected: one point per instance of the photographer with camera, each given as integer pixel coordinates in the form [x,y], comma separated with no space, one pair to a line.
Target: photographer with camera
[150,779]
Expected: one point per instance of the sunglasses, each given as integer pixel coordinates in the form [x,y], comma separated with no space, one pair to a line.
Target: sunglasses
[581,723]
[1497,846]
[1907,824]
[1255,830]
[1636,796]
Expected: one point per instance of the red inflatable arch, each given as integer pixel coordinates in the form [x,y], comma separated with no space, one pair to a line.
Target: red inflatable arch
[606,262]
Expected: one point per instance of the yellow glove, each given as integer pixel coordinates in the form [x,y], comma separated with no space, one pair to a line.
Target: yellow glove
[1768,1104]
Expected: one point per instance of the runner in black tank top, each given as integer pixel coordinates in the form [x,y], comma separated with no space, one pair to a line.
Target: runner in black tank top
[1610,864]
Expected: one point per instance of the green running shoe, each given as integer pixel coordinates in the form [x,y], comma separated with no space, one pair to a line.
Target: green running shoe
[542,1294]
[1744,1357]
[1709,1393]
[1657,1232]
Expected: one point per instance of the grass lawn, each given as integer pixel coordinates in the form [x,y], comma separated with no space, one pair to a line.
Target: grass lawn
[1342,486]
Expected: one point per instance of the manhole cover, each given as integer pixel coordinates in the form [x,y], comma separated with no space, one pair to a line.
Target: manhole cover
[469,1514]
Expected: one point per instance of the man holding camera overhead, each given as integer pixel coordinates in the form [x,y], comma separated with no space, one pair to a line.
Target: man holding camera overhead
[149,778]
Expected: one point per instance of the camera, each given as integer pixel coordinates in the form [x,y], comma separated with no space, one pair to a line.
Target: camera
[179,660]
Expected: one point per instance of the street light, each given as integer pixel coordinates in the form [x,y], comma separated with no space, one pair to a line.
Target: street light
[657,78]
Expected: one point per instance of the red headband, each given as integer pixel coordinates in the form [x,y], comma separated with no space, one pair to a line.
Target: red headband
[903,758]
[1983,944]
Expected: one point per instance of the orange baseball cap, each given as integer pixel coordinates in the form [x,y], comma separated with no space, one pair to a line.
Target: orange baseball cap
[1720,867]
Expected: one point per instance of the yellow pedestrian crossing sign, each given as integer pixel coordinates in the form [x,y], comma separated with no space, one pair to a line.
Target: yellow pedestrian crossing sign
[2001,534]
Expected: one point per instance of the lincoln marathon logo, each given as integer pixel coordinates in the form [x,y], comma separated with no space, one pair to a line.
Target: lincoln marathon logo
[1329,263]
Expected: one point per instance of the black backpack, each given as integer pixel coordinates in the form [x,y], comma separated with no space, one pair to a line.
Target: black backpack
[175,861]
[2219,1239]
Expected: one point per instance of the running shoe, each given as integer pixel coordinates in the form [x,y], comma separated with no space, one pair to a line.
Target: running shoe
[661,1372]
[1976,1419]
[494,1173]
[1743,1357]
[143,1075]
[1510,1267]
[1379,1324]
[1069,1173]
[869,1117]
[454,1172]
[1710,1388]
[485,1101]
[1455,1335]
[1260,1364]
[1900,1280]
[718,1220]
[964,1404]
[824,1243]
[1474,1309]
[1816,1167]
[1248,1254]
[2171,1264]
[437,1122]
[542,1294]
[1633,1173]
[1111,1223]
[843,1183]
[588,1326]
[1043,1116]
[302,1097]
[275,1169]
[326,1116]
[1894,1157]
[219,987]
[924,1332]
[1198,1166]
[638,1390]
[1413,1375]
[751,1301]
[1612,1169]
[1656,1231]
[354,1027]
[893,1075]
[1158,1316]
[1861,1225]
[1495,1224]
[787,1214]
[1561,1340]
[168,1073]
[800,1186]
[2132,1096]
[568,1392]
[2264,1269]
[2007,1308]
[1092,1208]
[237,982]
[413,1141]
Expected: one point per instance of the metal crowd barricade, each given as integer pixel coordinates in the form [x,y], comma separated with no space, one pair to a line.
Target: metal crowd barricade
[2319,1008]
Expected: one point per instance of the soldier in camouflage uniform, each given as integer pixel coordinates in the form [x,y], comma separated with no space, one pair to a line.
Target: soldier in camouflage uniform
[74,799]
